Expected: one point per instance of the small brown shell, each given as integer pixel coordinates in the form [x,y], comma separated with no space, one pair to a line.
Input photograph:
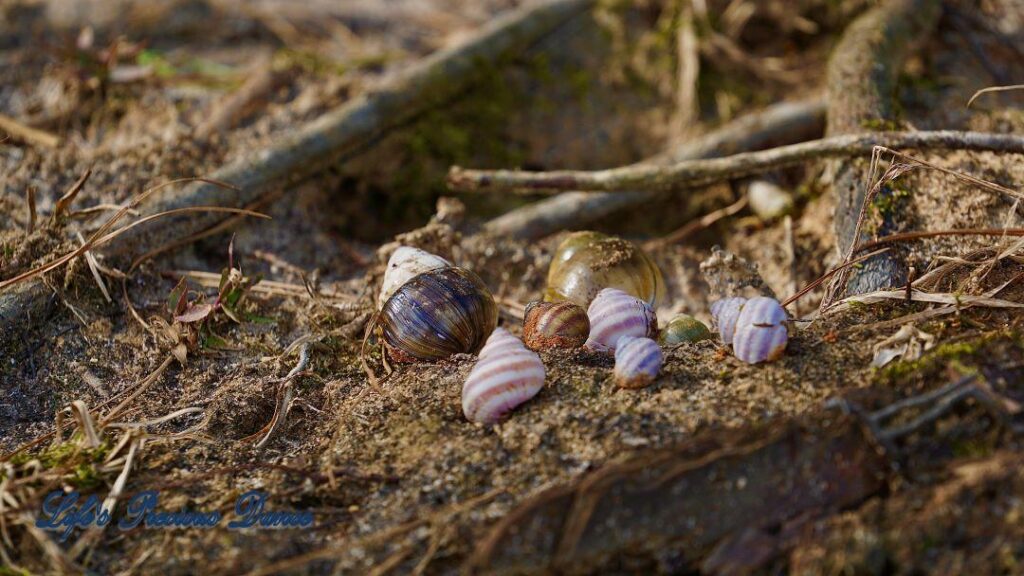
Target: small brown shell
[555,325]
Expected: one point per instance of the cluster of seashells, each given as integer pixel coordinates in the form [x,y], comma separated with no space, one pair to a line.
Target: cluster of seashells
[430,309]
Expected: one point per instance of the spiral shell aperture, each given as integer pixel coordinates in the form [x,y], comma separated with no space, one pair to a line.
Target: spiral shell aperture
[507,375]
[637,362]
[614,314]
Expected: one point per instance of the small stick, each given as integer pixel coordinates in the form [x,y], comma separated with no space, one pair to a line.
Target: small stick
[918,235]
[694,226]
[229,110]
[911,273]
[30,199]
[28,134]
[281,413]
[694,173]
[782,123]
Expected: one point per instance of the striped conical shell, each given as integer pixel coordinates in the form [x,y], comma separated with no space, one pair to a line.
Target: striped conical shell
[614,314]
[555,325]
[725,313]
[761,333]
[506,375]
[637,362]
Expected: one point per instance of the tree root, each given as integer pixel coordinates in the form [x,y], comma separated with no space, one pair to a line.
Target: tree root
[757,478]
[780,124]
[695,173]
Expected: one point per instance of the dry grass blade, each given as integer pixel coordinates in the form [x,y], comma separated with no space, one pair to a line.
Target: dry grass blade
[268,287]
[910,159]
[821,279]
[85,421]
[28,134]
[94,531]
[697,225]
[64,203]
[991,89]
[961,300]
[94,268]
[908,236]
[142,387]
[190,209]
[103,230]
[30,200]
[901,164]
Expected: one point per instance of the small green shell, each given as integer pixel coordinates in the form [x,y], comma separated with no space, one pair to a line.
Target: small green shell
[684,328]
[587,262]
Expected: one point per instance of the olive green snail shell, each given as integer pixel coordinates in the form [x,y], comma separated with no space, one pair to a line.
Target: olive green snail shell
[684,328]
[587,262]
[437,314]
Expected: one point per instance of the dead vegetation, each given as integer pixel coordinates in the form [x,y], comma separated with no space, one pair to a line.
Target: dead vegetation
[201,197]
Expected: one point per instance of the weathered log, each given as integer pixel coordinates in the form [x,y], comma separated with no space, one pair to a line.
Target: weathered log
[687,499]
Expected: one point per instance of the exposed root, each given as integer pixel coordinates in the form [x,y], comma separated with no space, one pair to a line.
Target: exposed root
[783,123]
[695,173]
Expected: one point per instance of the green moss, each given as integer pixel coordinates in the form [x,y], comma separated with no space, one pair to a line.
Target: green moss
[962,356]
[64,453]
[972,448]
[471,128]
[880,125]
[890,200]
[85,477]
[8,571]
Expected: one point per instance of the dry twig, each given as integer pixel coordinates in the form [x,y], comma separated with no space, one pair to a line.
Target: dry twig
[28,134]
[702,172]
[779,124]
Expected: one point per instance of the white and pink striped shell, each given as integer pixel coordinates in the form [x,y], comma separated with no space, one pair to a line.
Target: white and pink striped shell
[725,313]
[637,362]
[614,314]
[761,332]
[506,375]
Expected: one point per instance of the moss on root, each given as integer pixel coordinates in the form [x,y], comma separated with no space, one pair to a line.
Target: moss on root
[966,357]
